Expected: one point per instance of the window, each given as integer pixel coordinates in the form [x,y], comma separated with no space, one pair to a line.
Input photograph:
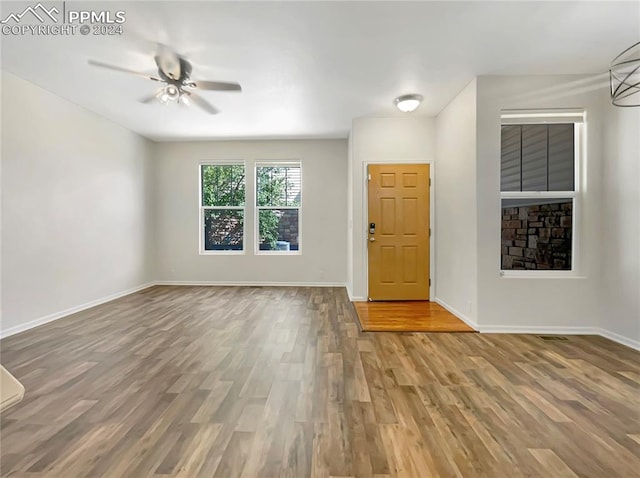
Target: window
[539,165]
[222,204]
[278,199]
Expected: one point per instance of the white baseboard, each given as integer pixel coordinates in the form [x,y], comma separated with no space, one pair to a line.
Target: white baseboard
[544,329]
[621,339]
[457,313]
[63,313]
[486,329]
[354,298]
[250,284]
[551,330]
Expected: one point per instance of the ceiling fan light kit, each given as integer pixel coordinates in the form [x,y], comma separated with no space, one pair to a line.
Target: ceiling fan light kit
[175,72]
[408,103]
[624,77]
[170,93]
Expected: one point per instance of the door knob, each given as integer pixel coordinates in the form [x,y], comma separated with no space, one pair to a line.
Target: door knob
[372,239]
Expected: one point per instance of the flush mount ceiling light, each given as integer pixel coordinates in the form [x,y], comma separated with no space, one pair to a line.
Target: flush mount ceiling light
[624,77]
[408,103]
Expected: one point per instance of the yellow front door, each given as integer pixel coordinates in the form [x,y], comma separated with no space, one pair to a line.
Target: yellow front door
[398,232]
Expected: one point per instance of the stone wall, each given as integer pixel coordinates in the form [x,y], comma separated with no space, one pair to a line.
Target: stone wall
[225,233]
[537,236]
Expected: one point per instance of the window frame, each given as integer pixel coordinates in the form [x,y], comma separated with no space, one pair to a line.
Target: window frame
[527,117]
[201,209]
[256,216]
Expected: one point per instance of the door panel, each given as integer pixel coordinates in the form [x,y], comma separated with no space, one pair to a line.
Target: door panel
[399,247]
[410,269]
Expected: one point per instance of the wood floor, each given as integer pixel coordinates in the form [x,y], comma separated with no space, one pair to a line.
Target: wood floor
[279,382]
[408,316]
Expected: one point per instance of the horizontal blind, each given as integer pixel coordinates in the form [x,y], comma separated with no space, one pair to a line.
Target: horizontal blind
[278,185]
[510,158]
[537,157]
[293,186]
[561,157]
[534,157]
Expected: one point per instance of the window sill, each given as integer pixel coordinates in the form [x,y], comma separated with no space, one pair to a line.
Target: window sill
[278,253]
[222,253]
[540,275]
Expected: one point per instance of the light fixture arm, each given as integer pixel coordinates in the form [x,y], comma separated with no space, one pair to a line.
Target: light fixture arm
[624,77]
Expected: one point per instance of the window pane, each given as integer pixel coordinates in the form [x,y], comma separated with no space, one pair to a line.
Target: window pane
[278,229]
[534,157]
[510,158]
[537,157]
[223,185]
[561,157]
[223,229]
[278,186]
[536,234]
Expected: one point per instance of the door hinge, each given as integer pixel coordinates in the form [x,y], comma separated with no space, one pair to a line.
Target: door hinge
[429,181]
[429,281]
[368,177]
[429,232]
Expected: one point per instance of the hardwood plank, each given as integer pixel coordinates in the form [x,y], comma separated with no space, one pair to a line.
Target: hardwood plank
[553,465]
[266,381]
[408,316]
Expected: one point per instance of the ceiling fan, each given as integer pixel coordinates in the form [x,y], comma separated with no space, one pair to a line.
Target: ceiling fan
[174,72]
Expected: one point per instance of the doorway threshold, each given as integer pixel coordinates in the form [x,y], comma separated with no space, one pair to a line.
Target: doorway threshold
[408,316]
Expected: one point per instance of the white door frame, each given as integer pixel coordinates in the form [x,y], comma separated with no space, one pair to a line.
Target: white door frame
[365,219]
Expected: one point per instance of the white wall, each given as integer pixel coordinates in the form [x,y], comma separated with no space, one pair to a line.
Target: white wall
[456,215]
[619,290]
[76,199]
[349,231]
[568,304]
[323,222]
[392,139]
[90,210]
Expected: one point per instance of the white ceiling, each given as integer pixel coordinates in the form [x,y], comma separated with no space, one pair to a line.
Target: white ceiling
[308,68]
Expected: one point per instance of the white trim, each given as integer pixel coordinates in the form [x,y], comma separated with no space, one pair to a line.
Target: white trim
[526,329]
[201,209]
[251,283]
[539,274]
[284,163]
[621,339]
[279,253]
[486,329]
[223,253]
[353,298]
[577,197]
[457,313]
[72,310]
[552,330]
[572,115]
[277,163]
[432,218]
[538,195]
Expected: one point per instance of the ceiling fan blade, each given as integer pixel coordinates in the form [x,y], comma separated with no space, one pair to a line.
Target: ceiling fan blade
[216,85]
[122,70]
[202,103]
